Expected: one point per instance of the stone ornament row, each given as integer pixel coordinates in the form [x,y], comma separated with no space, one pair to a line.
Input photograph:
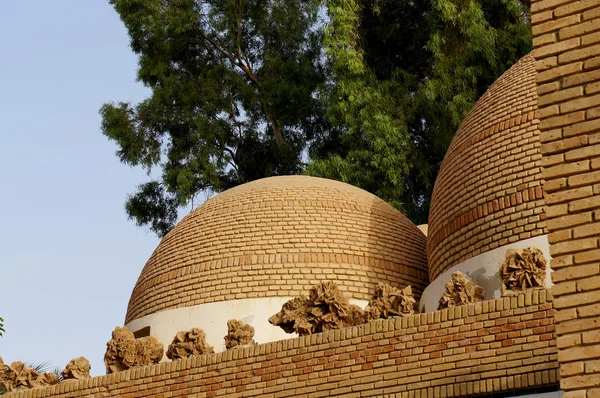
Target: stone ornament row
[124,351]
[17,375]
[326,308]
[521,270]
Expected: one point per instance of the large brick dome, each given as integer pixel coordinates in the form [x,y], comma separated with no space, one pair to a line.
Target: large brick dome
[278,237]
[488,193]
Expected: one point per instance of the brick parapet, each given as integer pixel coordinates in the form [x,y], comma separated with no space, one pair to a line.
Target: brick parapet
[482,348]
[567,41]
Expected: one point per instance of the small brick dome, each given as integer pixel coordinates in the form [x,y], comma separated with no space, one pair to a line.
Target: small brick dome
[277,237]
[488,192]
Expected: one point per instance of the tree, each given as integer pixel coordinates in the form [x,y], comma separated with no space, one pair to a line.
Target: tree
[405,74]
[2,326]
[234,97]
[244,89]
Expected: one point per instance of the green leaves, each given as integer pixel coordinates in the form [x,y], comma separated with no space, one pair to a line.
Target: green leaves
[473,43]
[234,97]
[152,205]
[2,326]
[138,144]
[248,89]
[403,76]
[375,135]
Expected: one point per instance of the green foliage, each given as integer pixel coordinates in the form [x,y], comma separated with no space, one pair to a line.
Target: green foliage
[45,367]
[245,89]
[375,136]
[473,43]
[234,97]
[2,326]
[404,75]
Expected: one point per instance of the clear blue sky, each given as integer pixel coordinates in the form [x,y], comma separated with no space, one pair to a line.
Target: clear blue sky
[69,257]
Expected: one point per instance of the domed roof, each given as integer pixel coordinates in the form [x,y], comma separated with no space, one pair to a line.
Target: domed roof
[488,192]
[277,237]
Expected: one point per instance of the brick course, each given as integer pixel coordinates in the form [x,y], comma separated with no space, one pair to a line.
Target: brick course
[481,348]
[568,70]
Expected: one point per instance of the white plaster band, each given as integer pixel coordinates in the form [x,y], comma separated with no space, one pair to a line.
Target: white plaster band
[483,270]
[213,317]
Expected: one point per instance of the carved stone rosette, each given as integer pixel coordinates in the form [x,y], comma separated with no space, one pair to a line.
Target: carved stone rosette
[389,301]
[124,351]
[189,343]
[76,369]
[326,308]
[460,291]
[523,269]
[239,334]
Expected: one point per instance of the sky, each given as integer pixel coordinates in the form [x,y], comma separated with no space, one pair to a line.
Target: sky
[69,257]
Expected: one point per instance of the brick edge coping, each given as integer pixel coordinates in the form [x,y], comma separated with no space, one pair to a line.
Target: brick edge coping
[523,300]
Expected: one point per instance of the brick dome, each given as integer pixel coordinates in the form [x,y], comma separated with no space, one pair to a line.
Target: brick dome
[489,189]
[277,237]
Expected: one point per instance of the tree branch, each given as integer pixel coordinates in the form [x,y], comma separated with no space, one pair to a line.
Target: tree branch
[220,50]
[239,31]
[245,66]
[243,63]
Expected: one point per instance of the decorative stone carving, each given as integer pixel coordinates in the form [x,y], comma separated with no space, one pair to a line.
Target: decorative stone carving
[460,291]
[293,316]
[389,301]
[18,375]
[76,369]
[523,269]
[124,351]
[188,343]
[239,334]
[326,308]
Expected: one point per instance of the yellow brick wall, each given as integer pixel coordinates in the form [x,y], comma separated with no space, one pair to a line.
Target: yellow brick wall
[481,348]
[489,189]
[567,41]
[278,237]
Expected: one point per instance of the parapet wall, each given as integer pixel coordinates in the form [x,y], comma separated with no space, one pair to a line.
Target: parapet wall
[481,348]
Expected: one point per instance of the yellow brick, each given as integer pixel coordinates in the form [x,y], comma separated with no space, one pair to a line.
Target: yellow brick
[560,96]
[578,54]
[584,204]
[568,195]
[566,169]
[573,246]
[580,103]
[582,127]
[578,29]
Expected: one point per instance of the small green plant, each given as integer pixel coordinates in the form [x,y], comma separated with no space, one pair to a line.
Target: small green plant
[44,367]
[2,326]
